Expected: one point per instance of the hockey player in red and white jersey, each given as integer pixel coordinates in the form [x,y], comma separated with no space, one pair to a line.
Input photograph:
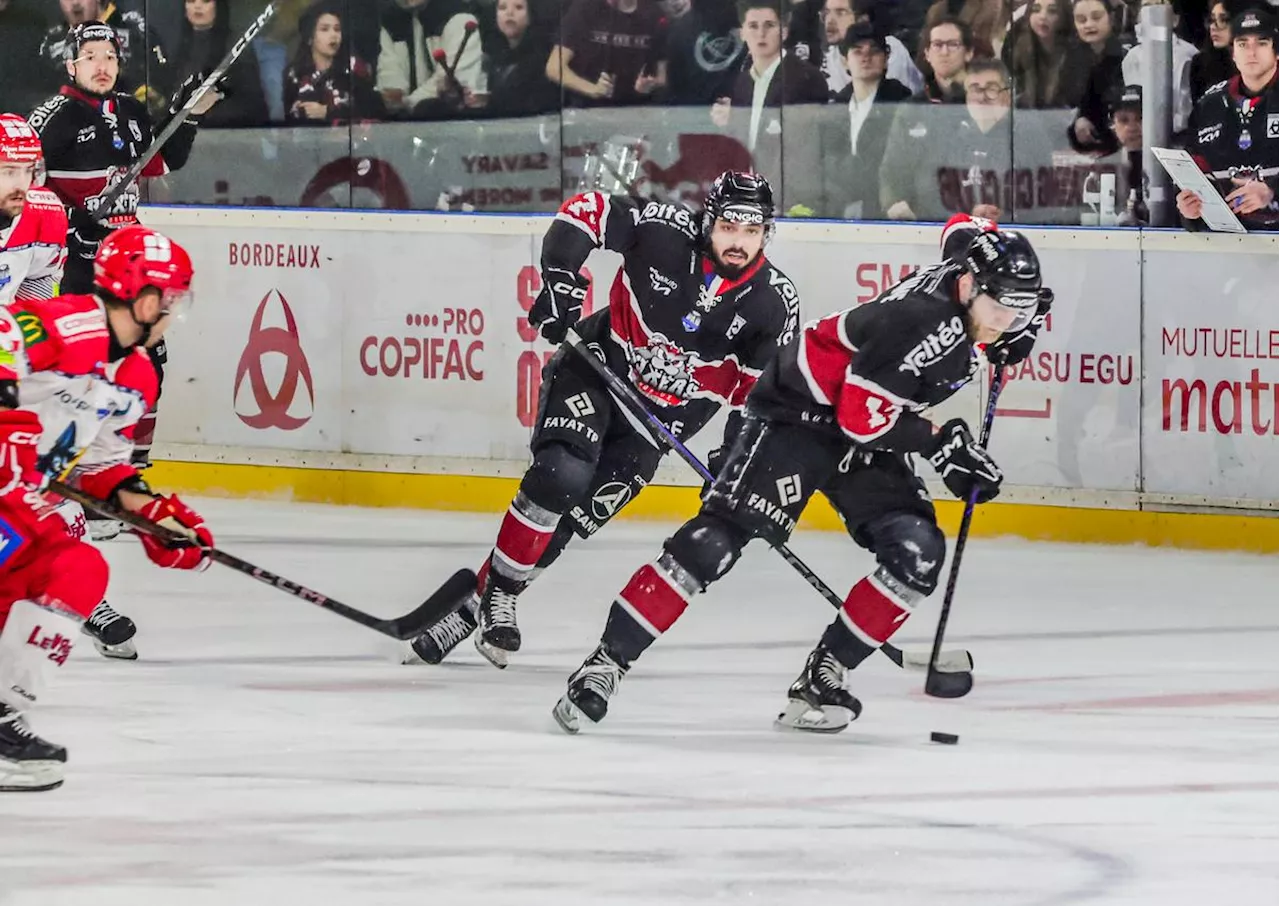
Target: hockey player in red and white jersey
[74,379]
[33,224]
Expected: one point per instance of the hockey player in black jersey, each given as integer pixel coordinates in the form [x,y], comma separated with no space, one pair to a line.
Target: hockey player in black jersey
[837,412]
[695,314]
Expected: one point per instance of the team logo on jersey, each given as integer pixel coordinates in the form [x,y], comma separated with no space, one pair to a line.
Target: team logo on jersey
[274,409]
[611,497]
[663,371]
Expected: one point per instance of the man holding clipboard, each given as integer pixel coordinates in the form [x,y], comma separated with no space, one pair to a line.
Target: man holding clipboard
[1232,137]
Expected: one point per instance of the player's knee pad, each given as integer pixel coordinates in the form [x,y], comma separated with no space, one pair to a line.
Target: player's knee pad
[706,547]
[78,577]
[910,549]
[559,476]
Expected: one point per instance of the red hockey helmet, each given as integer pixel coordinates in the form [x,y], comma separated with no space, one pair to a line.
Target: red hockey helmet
[19,143]
[134,258]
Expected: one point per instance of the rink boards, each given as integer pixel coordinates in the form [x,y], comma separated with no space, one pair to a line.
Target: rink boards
[383,359]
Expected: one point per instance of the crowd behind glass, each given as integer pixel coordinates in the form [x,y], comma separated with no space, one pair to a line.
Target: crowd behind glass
[856,109]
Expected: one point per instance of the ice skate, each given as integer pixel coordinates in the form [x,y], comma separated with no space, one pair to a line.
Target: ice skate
[434,645]
[112,633]
[27,762]
[497,636]
[590,689]
[103,529]
[817,701]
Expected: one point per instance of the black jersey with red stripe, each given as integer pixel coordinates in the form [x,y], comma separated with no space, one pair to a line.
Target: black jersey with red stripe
[90,142]
[688,339]
[866,371]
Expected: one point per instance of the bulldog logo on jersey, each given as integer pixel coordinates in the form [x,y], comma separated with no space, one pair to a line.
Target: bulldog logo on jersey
[663,372]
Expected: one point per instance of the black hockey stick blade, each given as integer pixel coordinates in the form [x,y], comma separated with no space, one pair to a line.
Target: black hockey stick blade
[939,684]
[953,660]
[444,601]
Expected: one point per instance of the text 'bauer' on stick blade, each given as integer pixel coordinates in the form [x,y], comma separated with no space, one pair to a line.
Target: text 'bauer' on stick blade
[446,599]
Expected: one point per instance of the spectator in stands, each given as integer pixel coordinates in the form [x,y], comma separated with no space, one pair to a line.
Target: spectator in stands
[851,156]
[946,47]
[988,21]
[771,81]
[1126,162]
[837,16]
[705,53]
[205,39]
[964,160]
[1094,69]
[325,83]
[1131,67]
[1233,130]
[412,79]
[516,63]
[1037,54]
[610,52]
[144,64]
[1213,63]
[22,27]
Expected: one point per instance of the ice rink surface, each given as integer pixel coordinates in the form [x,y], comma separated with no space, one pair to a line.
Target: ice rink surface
[1120,746]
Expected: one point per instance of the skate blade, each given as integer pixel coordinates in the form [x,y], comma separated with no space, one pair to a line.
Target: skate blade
[567,715]
[29,776]
[800,715]
[104,530]
[499,657]
[125,651]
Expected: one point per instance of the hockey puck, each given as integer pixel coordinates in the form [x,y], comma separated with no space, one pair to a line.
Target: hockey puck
[947,739]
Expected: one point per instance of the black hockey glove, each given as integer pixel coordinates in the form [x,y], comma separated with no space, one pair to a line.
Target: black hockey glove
[88,230]
[963,465]
[559,304]
[1012,348]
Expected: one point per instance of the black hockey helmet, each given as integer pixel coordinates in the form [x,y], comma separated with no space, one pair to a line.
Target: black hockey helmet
[1006,267]
[740,197]
[80,35]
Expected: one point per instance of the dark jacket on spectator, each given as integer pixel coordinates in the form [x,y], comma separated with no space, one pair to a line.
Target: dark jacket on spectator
[1209,67]
[345,90]
[851,176]
[199,52]
[794,82]
[704,54]
[605,39]
[1104,84]
[518,83]
[22,85]
[934,93]
[805,34]
[1079,64]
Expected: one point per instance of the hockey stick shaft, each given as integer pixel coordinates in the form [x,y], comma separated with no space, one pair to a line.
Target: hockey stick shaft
[435,608]
[157,145]
[627,394]
[984,436]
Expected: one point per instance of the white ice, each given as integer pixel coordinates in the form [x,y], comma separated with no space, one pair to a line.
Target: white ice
[1120,746]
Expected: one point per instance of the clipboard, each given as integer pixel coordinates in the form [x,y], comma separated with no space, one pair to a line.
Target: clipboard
[1185,174]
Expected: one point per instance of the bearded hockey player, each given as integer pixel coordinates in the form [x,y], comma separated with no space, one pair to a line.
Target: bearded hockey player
[695,314]
[838,412]
[33,225]
[74,379]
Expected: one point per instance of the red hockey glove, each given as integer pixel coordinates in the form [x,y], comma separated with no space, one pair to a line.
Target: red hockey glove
[19,437]
[173,514]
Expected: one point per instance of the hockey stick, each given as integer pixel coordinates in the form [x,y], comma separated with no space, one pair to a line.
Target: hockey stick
[157,144]
[937,682]
[957,661]
[441,603]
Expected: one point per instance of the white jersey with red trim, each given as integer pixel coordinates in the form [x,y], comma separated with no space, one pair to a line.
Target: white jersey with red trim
[687,338]
[89,400]
[33,249]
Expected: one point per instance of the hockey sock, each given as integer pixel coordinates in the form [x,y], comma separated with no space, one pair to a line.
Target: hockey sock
[874,610]
[77,577]
[526,531]
[36,640]
[647,607]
